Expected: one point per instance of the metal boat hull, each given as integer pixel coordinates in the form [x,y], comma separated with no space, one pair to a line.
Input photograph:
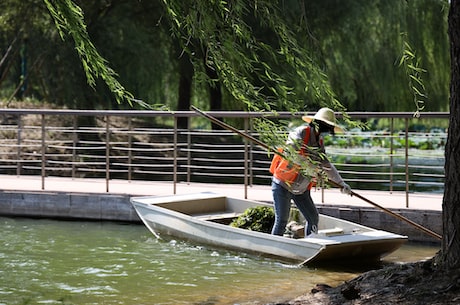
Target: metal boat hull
[189,217]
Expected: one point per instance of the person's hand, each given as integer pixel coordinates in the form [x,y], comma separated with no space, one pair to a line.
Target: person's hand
[346,189]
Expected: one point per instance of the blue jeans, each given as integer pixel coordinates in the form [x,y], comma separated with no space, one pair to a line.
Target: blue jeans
[282,204]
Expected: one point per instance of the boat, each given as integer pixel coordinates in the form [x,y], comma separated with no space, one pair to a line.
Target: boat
[204,218]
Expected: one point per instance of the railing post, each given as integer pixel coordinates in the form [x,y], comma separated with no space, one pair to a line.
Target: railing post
[175,156]
[189,147]
[107,153]
[43,172]
[251,156]
[74,146]
[19,140]
[246,161]
[130,146]
[391,153]
[322,191]
[407,162]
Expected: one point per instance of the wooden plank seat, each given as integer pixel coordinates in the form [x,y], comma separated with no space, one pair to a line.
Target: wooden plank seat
[331,232]
[222,215]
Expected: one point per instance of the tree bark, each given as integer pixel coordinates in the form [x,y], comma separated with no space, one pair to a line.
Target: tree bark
[185,88]
[450,253]
[215,93]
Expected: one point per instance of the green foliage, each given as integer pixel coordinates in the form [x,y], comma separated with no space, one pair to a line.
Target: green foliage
[255,55]
[127,35]
[360,42]
[69,19]
[414,74]
[258,219]
[268,55]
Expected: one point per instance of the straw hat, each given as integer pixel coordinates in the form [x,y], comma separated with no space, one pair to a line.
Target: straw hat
[325,115]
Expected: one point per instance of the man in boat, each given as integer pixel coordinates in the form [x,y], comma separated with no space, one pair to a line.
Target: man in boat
[294,180]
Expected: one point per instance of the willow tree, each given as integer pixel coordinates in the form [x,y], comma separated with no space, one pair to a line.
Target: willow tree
[361,42]
[253,54]
[176,70]
[126,33]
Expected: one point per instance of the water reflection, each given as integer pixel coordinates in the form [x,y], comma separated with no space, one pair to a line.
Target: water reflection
[58,262]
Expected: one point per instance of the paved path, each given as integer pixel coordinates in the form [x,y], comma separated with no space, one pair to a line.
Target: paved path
[395,200]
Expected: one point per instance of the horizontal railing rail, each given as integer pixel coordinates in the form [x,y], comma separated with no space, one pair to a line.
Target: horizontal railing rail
[130,145]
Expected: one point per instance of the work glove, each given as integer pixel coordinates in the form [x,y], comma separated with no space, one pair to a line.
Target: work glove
[346,189]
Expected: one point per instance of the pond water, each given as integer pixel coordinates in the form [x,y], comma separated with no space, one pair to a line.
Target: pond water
[374,169]
[71,262]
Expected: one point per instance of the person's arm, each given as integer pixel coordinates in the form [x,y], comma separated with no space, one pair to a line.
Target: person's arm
[334,175]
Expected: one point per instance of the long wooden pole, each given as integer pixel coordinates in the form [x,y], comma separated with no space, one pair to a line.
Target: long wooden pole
[231,128]
[268,148]
[400,217]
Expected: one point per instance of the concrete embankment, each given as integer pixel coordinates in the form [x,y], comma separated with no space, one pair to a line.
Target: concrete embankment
[67,205]
[64,199]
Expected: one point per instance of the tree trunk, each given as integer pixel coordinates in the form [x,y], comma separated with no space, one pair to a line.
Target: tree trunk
[185,88]
[450,254]
[215,93]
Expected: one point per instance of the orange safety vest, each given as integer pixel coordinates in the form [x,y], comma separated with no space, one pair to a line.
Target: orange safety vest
[285,171]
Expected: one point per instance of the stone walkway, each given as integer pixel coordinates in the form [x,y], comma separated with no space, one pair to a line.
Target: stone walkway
[394,200]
